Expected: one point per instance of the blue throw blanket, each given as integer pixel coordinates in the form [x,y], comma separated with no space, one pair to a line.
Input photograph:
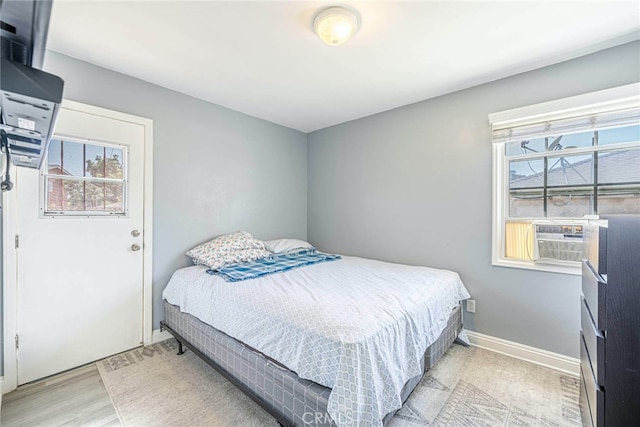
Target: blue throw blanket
[276,263]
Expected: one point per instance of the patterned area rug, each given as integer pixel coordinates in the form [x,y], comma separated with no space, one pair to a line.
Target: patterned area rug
[152,386]
[475,387]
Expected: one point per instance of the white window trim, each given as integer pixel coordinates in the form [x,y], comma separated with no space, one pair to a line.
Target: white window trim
[628,95]
[588,103]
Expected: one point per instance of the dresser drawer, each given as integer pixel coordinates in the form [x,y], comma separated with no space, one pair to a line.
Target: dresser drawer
[585,412]
[594,342]
[594,291]
[595,246]
[595,395]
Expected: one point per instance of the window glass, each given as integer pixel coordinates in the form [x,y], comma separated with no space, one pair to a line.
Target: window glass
[619,167]
[569,203]
[104,196]
[535,145]
[527,203]
[114,163]
[618,201]
[94,161]
[619,182]
[54,158]
[65,195]
[619,135]
[570,141]
[570,170]
[113,196]
[72,158]
[94,196]
[84,177]
[526,184]
[526,173]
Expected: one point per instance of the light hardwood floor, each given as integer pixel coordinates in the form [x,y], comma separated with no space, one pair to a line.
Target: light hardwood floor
[73,398]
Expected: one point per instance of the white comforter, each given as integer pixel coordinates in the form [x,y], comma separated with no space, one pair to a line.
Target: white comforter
[354,325]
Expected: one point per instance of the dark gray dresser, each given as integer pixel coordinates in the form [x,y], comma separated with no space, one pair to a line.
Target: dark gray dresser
[610,316]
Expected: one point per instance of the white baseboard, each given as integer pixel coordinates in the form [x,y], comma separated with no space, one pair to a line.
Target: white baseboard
[158,336]
[538,356]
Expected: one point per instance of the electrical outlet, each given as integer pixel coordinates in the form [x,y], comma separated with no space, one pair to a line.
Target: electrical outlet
[471,305]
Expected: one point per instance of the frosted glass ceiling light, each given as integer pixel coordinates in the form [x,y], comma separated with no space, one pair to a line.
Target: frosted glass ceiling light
[335,25]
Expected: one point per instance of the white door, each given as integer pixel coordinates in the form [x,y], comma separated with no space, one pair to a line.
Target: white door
[80,256]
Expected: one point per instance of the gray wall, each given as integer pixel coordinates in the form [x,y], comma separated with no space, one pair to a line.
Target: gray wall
[215,170]
[413,185]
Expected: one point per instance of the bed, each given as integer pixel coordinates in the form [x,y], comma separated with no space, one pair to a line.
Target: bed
[336,343]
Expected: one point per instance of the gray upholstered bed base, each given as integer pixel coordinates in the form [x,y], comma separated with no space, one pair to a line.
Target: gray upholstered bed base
[297,401]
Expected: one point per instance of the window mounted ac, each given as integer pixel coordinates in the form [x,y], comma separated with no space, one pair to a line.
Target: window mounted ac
[558,241]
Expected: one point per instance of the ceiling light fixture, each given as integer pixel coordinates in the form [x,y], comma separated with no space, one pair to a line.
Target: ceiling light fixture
[335,25]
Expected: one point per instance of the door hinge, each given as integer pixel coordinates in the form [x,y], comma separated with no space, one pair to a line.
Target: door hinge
[17,342]
[17,240]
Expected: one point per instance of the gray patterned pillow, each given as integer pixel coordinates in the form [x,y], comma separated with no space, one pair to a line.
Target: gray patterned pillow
[235,257]
[227,249]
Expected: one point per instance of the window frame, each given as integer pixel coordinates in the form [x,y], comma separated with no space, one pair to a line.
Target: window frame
[44,175]
[590,103]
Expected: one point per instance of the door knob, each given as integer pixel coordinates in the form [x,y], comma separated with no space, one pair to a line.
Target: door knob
[135,247]
[135,233]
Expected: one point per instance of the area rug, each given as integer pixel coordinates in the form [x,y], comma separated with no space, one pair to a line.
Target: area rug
[152,386]
[475,387]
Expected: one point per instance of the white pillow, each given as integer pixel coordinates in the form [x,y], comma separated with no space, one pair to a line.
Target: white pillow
[222,250]
[280,246]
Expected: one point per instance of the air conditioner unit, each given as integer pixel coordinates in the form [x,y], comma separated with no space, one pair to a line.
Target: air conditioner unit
[558,242]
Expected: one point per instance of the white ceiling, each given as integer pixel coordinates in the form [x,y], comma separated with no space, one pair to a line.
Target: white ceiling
[262,58]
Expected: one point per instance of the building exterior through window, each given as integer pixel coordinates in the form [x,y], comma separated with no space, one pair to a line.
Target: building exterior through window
[555,165]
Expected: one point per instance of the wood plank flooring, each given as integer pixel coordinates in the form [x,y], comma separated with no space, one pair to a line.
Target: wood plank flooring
[73,398]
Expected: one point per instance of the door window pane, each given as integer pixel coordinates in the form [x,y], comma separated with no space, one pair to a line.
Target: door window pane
[114,197]
[94,166]
[94,196]
[65,195]
[113,166]
[104,196]
[72,158]
[93,184]
[54,157]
